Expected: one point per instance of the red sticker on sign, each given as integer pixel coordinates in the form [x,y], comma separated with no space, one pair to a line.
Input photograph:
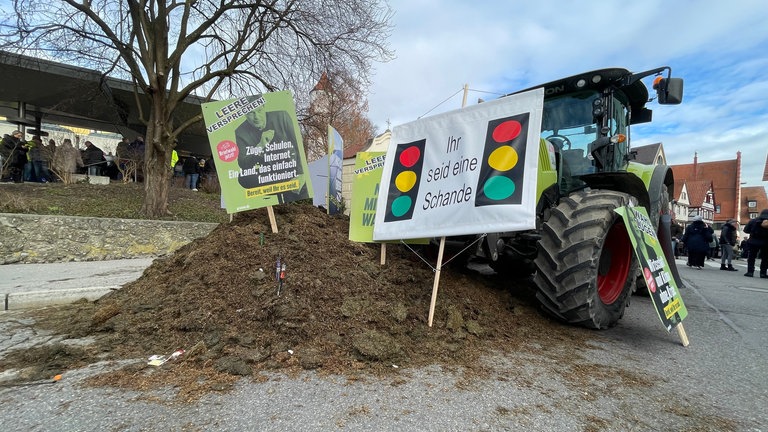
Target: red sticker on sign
[227,151]
[649,279]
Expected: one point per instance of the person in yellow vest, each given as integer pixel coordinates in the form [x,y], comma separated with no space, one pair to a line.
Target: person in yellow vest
[174,159]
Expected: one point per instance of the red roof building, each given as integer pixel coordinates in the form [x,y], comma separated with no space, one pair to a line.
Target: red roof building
[765,170]
[755,200]
[725,180]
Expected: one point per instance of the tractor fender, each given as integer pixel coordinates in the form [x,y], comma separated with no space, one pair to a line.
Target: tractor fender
[662,176]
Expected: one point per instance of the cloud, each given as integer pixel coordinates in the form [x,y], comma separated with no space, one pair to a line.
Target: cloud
[500,47]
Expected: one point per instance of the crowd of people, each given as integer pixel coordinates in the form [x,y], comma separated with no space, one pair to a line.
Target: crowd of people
[33,161]
[698,240]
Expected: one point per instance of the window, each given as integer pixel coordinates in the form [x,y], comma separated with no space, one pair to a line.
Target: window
[752,204]
[752,215]
[717,209]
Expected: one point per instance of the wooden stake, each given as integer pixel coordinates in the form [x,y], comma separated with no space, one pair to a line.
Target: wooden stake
[272,221]
[437,280]
[383,253]
[681,333]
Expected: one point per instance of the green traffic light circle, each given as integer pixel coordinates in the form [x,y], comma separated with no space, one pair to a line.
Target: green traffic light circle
[401,205]
[498,188]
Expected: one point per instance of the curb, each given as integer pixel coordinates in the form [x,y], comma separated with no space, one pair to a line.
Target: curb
[32,299]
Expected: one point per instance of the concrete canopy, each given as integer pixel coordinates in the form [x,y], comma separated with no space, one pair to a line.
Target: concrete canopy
[35,91]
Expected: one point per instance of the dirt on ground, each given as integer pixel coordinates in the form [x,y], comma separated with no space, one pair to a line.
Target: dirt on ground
[337,311]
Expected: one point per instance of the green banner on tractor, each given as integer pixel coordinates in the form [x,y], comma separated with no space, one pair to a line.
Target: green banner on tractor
[654,267]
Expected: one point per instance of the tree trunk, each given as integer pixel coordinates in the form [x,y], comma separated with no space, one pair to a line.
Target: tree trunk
[157,171]
[156,183]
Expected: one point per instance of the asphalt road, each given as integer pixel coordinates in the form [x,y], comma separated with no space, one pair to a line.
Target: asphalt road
[642,379]
[35,285]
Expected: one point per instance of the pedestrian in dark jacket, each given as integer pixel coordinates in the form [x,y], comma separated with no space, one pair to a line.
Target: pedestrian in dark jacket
[14,156]
[697,238]
[191,169]
[727,242]
[33,170]
[93,158]
[757,229]
[676,230]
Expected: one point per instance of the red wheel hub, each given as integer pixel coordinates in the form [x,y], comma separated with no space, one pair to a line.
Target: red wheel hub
[612,276]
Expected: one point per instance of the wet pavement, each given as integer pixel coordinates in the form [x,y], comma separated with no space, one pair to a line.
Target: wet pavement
[33,285]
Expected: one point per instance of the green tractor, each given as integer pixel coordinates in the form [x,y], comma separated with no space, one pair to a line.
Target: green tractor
[584,269]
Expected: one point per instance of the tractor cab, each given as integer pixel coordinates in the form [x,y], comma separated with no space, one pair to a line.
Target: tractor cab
[586,118]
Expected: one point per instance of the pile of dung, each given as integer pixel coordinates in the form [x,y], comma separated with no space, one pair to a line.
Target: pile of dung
[338,309]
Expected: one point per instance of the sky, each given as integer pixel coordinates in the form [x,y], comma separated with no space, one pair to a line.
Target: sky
[719,48]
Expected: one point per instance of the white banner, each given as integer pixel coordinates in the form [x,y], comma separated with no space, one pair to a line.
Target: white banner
[468,171]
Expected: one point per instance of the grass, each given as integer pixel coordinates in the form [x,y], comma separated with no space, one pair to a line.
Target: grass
[116,200]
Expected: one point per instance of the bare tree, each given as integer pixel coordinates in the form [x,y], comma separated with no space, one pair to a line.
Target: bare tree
[339,101]
[214,49]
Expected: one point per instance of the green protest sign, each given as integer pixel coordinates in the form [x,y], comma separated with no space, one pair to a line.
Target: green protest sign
[257,148]
[654,267]
[366,181]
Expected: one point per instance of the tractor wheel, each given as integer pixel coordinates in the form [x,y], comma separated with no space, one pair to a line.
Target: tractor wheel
[585,268]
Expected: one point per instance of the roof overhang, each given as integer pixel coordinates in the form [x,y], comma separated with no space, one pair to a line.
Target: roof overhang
[36,91]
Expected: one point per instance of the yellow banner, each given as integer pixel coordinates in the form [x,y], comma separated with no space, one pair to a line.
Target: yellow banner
[272,189]
[672,308]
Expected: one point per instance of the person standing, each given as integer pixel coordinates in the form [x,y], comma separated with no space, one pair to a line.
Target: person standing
[191,171]
[7,150]
[93,158]
[743,248]
[714,246]
[696,238]
[33,170]
[727,242]
[676,230]
[757,244]
[14,151]
[48,152]
[67,160]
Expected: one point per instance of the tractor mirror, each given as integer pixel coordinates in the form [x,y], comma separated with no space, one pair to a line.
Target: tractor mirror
[669,91]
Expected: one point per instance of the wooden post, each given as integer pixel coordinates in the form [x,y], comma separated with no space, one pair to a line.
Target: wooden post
[383,253]
[437,280]
[272,221]
[681,333]
[439,265]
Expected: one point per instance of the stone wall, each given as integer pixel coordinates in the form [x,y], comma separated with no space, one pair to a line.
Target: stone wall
[26,238]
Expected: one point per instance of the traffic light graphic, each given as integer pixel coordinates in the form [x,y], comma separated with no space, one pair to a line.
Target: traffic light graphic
[501,172]
[404,181]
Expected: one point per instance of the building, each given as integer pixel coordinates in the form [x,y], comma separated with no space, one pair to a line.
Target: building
[681,203]
[724,178]
[701,200]
[380,143]
[755,201]
[765,170]
[653,154]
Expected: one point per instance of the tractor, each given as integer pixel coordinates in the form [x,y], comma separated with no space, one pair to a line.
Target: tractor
[580,255]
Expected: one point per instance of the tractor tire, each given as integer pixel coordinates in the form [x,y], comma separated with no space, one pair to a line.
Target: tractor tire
[585,268]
